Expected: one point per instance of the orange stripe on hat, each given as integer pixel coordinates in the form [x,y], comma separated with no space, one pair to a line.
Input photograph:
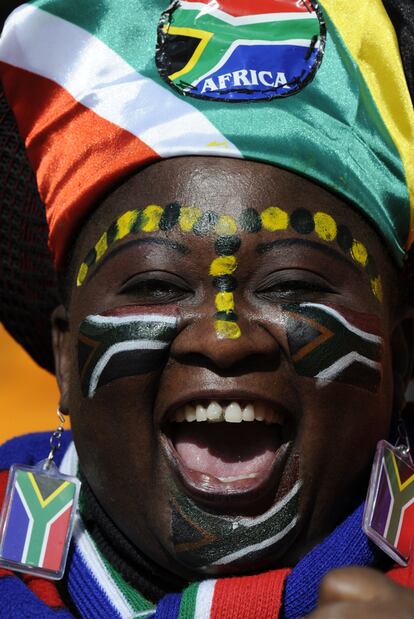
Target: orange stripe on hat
[77,154]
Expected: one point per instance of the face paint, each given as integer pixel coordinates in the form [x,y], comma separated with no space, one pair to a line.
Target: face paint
[202,539]
[334,344]
[273,219]
[223,267]
[121,345]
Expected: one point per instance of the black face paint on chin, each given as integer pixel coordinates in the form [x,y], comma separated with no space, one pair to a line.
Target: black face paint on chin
[203,539]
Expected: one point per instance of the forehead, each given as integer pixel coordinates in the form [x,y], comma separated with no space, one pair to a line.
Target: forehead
[301,224]
[224,186]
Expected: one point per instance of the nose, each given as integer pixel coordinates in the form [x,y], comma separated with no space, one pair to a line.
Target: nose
[254,348]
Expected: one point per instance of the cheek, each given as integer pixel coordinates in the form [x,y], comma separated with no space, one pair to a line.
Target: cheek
[123,344]
[335,344]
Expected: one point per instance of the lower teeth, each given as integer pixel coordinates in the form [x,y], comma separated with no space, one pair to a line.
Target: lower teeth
[237,477]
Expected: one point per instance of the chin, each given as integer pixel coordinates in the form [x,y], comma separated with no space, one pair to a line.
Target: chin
[234,483]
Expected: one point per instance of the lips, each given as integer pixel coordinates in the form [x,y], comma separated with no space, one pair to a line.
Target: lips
[229,455]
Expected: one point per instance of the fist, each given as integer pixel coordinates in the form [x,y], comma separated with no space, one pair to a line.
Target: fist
[362,593]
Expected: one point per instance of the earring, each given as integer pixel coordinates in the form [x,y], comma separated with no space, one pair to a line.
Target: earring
[38,515]
[389,509]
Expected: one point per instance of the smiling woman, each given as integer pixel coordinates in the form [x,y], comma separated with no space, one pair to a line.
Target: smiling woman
[310,333]
[233,334]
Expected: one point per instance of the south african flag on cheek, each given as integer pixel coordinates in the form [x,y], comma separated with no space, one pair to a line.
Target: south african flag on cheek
[37,520]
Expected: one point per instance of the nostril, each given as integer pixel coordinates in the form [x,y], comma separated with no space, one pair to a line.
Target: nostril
[198,345]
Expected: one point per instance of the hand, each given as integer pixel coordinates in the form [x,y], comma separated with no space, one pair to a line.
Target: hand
[362,593]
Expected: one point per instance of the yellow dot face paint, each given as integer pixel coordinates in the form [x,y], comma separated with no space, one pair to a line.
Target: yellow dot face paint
[101,247]
[273,219]
[359,253]
[226,225]
[224,302]
[224,265]
[125,224]
[83,272]
[325,226]
[151,216]
[189,216]
[376,287]
[227,243]
[227,330]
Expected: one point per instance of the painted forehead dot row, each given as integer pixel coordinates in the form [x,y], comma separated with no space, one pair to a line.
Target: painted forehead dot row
[224,228]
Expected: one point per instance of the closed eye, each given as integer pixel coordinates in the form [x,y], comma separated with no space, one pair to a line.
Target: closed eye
[148,289]
[292,288]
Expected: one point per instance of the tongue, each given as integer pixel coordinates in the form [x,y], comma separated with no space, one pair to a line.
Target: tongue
[227,450]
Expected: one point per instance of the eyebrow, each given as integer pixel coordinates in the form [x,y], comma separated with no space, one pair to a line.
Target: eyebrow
[180,248]
[263,248]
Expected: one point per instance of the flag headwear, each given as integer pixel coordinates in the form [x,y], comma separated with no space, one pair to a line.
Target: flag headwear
[100,89]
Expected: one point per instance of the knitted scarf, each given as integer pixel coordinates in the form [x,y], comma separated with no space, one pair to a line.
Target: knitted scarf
[97,590]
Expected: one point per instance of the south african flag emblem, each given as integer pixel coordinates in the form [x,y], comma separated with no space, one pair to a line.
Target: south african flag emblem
[389,510]
[37,521]
[240,51]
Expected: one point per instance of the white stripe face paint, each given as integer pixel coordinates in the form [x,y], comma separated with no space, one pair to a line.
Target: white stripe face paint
[222,540]
[339,366]
[107,84]
[370,337]
[254,548]
[118,348]
[249,522]
[335,344]
[121,320]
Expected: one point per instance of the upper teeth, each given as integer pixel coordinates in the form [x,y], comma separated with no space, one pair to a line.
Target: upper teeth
[232,412]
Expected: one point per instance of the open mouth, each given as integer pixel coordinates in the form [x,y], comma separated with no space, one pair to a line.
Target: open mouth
[229,454]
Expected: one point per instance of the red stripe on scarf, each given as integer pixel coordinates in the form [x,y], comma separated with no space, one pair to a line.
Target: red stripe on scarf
[45,590]
[4,476]
[249,596]
[75,171]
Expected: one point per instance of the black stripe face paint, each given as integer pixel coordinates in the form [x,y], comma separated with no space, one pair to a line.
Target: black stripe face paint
[227,242]
[334,344]
[202,539]
[116,346]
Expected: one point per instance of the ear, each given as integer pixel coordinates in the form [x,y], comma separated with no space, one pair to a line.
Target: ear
[402,342]
[61,351]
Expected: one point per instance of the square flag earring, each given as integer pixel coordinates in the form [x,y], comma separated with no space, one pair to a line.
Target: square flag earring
[37,518]
[389,509]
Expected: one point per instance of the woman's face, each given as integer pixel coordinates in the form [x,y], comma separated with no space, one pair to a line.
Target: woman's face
[229,362]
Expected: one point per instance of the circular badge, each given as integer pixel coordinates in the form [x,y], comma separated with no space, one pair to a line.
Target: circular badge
[227,50]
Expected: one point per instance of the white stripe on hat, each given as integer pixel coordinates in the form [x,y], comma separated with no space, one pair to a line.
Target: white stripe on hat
[49,46]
